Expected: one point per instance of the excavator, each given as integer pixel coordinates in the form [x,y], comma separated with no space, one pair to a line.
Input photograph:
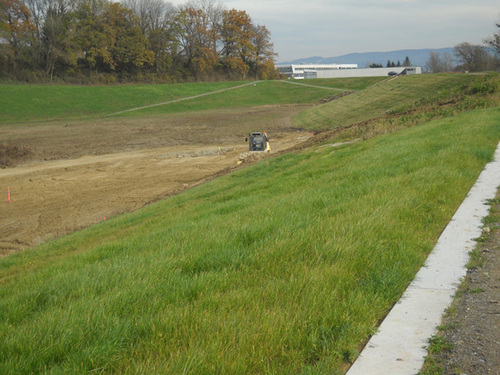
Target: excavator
[258,141]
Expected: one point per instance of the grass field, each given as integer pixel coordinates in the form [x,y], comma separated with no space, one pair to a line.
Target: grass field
[43,102]
[284,267]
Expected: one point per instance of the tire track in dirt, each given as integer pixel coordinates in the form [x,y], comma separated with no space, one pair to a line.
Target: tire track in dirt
[54,198]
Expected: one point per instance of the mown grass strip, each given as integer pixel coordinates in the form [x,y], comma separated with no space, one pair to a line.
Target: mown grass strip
[285,267]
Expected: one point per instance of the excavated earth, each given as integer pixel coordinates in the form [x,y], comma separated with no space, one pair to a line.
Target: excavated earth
[70,175]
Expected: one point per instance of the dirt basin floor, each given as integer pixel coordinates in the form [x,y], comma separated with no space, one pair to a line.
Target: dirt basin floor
[79,173]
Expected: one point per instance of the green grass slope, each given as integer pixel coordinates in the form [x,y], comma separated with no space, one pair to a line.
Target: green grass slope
[285,267]
[46,102]
[20,103]
[379,99]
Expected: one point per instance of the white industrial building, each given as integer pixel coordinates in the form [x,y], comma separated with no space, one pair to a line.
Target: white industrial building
[306,71]
[301,71]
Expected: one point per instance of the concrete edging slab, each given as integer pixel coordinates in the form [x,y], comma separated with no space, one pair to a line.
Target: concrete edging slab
[398,347]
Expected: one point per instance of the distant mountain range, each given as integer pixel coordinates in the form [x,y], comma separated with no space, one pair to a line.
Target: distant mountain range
[418,57]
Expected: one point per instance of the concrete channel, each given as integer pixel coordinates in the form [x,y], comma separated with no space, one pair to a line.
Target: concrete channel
[399,346]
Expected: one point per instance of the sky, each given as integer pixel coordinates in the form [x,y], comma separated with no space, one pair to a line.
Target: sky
[329,28]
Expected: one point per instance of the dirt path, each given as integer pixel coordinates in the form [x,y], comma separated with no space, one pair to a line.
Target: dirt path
[80,173]
[185,98]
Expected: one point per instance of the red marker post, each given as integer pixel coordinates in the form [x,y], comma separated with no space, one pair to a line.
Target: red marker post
[8,194]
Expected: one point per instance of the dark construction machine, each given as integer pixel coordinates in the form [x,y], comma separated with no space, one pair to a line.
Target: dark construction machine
[258,141]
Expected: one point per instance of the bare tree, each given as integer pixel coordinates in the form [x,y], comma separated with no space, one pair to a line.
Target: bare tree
[151,14]
[448,62]
[157,20]
[213,12]
[474,58]
[438,63]
[494,41]
[213,9]
[38,9]
[57,36]
[433,64]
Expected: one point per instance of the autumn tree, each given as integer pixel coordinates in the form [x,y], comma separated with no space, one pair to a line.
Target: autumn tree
[164,44]
[93,35]
[16,28]
[129,46]
[64,38]
[16,25]
[199,38]
[238,49]
[263,60]
[158,21]
[110,39]
[212,10]
[218,41]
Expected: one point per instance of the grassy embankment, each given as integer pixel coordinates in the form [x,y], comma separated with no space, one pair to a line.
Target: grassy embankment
[380,99]
[46,102]
[43,102]
[284,267]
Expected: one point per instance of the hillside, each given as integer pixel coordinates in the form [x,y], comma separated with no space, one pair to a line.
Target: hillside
[418,57]
[378,100]
[286,266]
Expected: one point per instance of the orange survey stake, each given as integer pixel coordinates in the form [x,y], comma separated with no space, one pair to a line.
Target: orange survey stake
[8,194]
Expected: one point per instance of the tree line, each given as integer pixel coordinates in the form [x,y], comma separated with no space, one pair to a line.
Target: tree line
[392,64]
[470,57]
[91,41]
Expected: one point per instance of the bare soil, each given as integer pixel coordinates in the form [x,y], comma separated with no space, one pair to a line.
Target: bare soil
[79,173]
